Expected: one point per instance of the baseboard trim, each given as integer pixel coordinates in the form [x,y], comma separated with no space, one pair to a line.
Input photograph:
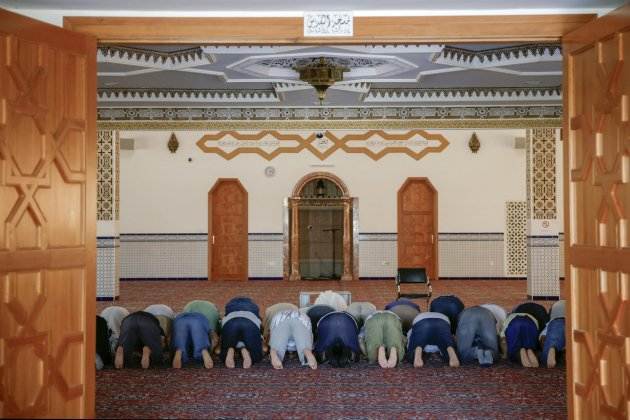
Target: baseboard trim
[482,278]
[377,278]
[530,297]
[265,278]
[163,278]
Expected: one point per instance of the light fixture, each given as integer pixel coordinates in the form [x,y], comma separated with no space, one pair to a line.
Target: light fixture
[474,144]
[320,188]
[173,143]
[321,73]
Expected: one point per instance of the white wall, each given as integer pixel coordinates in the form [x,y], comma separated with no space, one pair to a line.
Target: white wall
[164,193]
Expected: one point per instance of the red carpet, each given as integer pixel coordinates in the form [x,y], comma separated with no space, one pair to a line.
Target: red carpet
[363,391]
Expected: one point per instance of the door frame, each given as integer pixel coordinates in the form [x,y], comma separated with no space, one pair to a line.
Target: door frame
[376,30]
[436,267]
[291,254]
[245,267]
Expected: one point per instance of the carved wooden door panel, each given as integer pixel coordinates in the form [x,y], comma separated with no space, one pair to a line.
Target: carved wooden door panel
[597,229]
[227,235]
[47,220]
[417,225]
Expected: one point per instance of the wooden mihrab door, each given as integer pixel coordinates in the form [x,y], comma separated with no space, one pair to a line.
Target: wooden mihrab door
[417,225]
[47,219]
[227,233]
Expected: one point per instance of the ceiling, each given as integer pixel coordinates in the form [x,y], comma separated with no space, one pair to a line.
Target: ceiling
[378,75]
[359,6]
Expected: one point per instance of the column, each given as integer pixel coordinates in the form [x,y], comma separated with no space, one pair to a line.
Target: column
[295,241]
[347,242]
[543,258]
[107,220]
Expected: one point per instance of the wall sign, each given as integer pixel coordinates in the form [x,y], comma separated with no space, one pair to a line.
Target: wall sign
[320,24]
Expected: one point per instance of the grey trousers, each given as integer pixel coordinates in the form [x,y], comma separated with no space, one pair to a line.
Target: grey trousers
[476,330]
[289,329]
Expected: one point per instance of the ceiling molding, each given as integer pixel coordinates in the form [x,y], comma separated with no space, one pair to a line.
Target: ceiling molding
[331,125]
[477,95]
[144,56]
[185,95]
[504,56]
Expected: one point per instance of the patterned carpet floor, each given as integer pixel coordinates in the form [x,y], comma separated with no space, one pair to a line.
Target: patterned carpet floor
[362,391]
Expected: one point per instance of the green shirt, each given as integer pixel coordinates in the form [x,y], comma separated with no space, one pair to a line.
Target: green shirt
[208,309]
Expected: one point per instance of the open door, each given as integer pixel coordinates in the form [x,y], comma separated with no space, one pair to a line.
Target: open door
[597,197]
[47,219]
[227,230]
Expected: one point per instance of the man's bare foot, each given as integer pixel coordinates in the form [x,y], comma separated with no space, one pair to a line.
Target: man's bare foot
[275,359]
[533,360]
[453,360]
[393,357]
[265,348]
[146,357]
[247,359]
[310,359]
[382,358]
[229,358]
[524,358]
[177,359]
[207,360]
[119,360]
[551,358]
[417,358]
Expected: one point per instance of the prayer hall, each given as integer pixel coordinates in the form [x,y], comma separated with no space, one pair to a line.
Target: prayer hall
[352,209]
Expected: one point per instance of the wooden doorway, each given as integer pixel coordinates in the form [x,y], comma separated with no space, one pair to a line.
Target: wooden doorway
[418,225]
[321,240]
[227,231]
[597,229]
[47,220]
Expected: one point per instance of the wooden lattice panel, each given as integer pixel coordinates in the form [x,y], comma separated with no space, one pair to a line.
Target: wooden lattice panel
[597,191]
[47,220]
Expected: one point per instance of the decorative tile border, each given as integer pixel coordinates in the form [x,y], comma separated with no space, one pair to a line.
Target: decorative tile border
[541,168]
[210,115]
[516,238]
[105,175]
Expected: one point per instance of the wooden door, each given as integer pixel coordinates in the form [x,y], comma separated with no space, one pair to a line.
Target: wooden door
[227,230]
[47,219]
[597,193]
[417,225]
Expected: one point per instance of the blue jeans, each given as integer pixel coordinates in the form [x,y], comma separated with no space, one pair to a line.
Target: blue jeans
[241,329]
[555,337]
[242,303]
[451,306]
[476,330]
[191,332]
[521,333]
[430,331]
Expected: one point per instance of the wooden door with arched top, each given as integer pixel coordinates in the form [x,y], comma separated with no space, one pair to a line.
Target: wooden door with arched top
[417,225]
[227,230]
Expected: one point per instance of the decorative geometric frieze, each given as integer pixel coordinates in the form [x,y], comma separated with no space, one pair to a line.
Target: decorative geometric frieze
[516,238]
[373,143]
[330,113]
[551,94]
[186,95]
[541,171]
[503,55]
[105,175]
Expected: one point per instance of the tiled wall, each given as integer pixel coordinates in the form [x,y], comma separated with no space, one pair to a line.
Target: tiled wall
[108,269]
[181,256]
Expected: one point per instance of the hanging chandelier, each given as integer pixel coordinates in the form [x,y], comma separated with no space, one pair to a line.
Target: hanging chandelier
[321,73]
